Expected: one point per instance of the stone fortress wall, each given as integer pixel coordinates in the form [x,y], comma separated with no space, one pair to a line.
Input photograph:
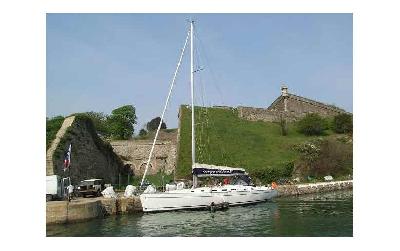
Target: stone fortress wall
[135,153]
[90,156]
[54,144]
[288,106]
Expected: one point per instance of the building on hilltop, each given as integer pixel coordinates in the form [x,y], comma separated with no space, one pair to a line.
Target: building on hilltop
[289,105]
[299,106]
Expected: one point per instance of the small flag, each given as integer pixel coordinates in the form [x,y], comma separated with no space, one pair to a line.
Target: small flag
[67,158]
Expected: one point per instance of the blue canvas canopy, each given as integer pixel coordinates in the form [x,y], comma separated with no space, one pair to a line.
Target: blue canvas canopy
[205,170]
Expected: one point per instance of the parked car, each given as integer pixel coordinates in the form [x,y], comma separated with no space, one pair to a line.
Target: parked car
[91,187]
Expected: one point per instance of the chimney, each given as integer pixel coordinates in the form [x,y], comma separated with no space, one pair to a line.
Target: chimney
[284,90]
[284,93]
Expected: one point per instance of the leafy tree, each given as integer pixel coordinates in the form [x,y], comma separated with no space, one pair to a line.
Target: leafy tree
[121,121]
[312,124]
[142,133]
[343,123]
[100,122]
[153,124]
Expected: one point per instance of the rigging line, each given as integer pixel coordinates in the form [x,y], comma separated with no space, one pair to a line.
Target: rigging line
[222,150]
[203,116]
[214,82]
[165,107]
[213,75]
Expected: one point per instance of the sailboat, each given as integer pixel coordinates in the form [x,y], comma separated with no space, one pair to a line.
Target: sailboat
[239,193]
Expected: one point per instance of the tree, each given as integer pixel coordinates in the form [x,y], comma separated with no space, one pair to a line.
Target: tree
[121,121]
[343,123]
[142,133]
[312,124]
[100,122]
[153,124]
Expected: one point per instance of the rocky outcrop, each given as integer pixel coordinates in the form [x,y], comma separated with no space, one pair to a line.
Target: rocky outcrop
[91,157]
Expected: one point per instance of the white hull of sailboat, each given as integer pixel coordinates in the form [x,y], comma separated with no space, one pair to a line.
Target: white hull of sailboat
[203,197]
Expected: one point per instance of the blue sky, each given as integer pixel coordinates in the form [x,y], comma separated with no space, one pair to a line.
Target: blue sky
[98,62]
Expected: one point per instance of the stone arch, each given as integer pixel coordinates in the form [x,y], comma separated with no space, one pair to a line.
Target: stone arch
[133,168]
[129,169]
[142,167]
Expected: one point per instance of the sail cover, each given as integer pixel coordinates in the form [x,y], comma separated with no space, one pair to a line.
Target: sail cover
[203,170]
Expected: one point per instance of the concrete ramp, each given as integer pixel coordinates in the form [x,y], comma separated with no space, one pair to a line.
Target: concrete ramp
[49,154]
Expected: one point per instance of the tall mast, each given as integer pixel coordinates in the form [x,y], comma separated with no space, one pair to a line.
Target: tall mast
[165,108]
[192,94]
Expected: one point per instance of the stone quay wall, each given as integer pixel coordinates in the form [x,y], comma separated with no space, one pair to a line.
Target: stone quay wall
[291,190]
[85,209]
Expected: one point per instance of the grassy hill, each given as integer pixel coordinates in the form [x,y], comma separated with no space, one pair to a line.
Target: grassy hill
[222,138]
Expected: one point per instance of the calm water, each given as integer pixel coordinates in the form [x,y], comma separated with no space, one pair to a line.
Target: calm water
[329,214]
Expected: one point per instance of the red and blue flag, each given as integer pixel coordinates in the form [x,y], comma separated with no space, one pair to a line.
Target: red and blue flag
[67,158]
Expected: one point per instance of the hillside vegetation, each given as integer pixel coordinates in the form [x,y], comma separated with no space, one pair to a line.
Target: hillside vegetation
[52,126]
[222,138]
[91,157]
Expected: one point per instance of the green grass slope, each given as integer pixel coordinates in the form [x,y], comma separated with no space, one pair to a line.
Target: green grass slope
[52,126]
[222,138]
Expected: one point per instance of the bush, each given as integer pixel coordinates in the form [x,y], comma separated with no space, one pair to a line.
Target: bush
[52,127]
[343,123]
[336,159]
[312,124]
[269,174]
[322,157]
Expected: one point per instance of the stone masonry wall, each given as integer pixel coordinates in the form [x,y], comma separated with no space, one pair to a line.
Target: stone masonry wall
[91,157]
[262,114]
[297,107]
[81,210]
[290,190]
[136,152]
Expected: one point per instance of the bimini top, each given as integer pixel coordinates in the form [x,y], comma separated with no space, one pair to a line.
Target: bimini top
[203,170]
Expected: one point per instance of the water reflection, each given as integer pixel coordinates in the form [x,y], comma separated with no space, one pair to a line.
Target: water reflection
[329,214]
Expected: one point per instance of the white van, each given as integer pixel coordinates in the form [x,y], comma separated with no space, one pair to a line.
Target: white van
[56,187]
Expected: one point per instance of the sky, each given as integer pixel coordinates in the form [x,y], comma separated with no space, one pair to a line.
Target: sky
[98,62]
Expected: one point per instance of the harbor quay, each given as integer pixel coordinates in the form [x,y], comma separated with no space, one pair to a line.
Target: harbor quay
[319,187]
[82,209]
